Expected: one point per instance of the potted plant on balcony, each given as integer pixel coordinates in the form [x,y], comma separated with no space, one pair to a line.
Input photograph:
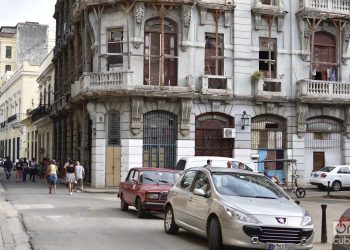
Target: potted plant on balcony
[257,75]
[257,80]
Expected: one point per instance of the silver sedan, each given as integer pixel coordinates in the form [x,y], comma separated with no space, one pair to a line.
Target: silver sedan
[236,208]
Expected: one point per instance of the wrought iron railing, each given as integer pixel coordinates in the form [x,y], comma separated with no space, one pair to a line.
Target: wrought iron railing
[12,118]
[40,112]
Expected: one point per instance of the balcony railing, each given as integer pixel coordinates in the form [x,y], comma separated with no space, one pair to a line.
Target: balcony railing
[3,124]
[39,113]
[12,118]
[334,6]
[99,82]
[323,89]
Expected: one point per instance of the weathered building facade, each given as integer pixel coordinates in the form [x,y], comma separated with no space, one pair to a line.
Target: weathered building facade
[19,91]
[143,83]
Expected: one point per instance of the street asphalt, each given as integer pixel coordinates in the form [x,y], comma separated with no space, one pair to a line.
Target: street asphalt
[14,235]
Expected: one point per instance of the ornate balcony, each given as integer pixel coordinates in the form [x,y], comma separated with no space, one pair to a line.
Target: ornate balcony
[79,5]
[95,85]
[326,8]
[15,118]
[313,91]
[39,113]
[269,89]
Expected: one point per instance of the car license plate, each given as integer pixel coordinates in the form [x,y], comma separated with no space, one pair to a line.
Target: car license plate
[280,246]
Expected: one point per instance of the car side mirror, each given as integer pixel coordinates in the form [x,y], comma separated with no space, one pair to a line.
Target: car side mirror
[200,192]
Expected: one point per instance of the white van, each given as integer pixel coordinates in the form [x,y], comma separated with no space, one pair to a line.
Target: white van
[200,161]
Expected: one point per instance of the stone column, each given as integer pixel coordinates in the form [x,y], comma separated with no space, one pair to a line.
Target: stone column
[69,138]
[98,149]
[64,140]
[23,142]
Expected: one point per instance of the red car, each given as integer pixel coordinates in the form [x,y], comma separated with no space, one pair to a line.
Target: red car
[146,189]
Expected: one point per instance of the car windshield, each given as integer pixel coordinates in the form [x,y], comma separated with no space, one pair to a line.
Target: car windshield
[246,185]
[158,177]
[326,169]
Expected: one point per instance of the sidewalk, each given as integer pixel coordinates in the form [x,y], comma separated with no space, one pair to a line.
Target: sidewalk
[12,233]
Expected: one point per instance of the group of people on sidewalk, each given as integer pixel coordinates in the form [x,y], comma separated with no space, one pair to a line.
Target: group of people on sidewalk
[74,173]
[22,167]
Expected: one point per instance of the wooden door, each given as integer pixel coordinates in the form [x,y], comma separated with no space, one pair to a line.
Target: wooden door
[209,135]
[318,160]
[113,166]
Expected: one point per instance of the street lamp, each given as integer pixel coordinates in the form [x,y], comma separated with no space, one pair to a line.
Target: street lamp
[245,120]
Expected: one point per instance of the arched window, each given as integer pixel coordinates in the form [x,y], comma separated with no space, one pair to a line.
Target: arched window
[160,50]
[323,132]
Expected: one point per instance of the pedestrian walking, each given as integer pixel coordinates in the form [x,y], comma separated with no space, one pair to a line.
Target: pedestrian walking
[52,176]
[45,163]
[8,168]
[19,170]
[32,169]
[80,174]
[70,176]
[25,167]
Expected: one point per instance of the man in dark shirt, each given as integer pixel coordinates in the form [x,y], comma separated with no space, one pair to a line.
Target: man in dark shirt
[25,169]
[8,168]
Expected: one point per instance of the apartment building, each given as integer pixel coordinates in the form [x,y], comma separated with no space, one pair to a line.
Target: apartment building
[19,90]
[144,83]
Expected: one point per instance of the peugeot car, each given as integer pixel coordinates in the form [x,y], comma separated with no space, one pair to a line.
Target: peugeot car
[236,208]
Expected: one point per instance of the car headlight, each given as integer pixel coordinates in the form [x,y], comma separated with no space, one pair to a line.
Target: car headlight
[152,196]
[241,216]
[307,220]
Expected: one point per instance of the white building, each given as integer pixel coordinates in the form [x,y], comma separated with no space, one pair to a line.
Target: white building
[145,83]
[19,89]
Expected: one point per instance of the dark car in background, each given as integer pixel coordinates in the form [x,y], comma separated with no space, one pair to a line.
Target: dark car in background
[146,189]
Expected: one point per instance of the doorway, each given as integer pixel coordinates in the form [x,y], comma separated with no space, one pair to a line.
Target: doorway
[318,160]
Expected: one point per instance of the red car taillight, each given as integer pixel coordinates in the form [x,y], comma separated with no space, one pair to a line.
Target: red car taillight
[324,175]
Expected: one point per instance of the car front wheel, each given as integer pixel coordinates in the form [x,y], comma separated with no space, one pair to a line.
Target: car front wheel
[140,210]
[336,186]
[123,205]
[215,237]
[170,226]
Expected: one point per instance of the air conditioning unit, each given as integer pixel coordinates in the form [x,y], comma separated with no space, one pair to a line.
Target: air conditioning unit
[228,132]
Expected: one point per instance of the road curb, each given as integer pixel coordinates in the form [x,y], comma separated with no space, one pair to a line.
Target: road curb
[6,236]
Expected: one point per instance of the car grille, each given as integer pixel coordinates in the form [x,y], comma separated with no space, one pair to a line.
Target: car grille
[163,196]
[278,234]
